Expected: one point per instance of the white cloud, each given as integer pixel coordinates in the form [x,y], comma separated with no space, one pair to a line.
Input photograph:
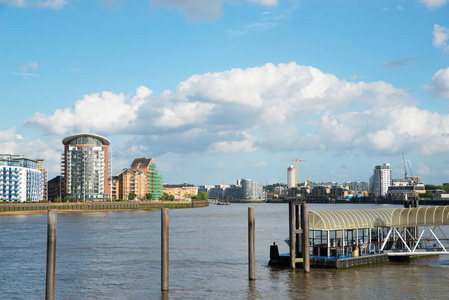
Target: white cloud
[31,66]
[48,148]
[202,9]
[406,61]
[271,108]
[433,3]
[53,4]
[441,37]
[439,86]
[265,2]
[105,112]
[261,164]
[244,146]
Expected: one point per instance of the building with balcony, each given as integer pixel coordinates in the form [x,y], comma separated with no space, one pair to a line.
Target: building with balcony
[181,191]
[381,180]
[154,180]
[252,189]
[20,179]
[131,182]
[55,188]
[85,167]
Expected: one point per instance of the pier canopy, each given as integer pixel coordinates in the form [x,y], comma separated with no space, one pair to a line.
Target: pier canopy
[369,218]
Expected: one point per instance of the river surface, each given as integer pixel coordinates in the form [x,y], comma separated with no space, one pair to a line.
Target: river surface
[116,255]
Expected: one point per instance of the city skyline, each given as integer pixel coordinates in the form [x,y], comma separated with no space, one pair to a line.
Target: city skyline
[218,90]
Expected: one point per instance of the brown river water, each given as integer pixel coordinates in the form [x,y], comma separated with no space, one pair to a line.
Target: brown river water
[116,255]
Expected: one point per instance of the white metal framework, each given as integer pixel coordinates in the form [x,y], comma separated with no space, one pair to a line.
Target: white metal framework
[406,226]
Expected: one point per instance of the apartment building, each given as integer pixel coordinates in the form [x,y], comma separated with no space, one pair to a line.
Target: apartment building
[85,167]
[20,179]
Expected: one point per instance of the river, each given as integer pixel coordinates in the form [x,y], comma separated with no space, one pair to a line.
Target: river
[116,255]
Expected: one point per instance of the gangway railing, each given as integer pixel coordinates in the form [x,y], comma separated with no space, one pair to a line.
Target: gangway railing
[417,246]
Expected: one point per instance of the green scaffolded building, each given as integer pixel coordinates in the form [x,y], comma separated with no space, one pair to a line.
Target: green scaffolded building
[155,183]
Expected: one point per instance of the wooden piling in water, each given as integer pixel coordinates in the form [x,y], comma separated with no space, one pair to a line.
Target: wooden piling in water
[292,234]
[164,249]
[51,255]
[305,237]
[251,244]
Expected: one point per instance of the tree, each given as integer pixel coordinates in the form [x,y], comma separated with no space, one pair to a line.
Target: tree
[132,196]
[202,196]
[148,196]
[165,196]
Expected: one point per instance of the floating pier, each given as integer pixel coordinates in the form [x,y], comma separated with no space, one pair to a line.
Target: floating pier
[345,238]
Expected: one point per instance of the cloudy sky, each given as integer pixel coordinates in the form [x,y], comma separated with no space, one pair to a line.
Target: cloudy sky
[219,90]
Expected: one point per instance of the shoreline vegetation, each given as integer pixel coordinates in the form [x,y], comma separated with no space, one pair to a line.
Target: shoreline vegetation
[75,207]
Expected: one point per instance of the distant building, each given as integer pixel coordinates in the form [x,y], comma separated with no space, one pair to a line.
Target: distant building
[40,167]
[381,180]
[234,191]
[181,191]
[359,186]
[20,179]
[85,167]
[405,188]
[321,191]
[131,181]
[55,188]
[325,183]
[155,184]
[291,177]
[440,195]
[115,188]
[216,192]
[252,189]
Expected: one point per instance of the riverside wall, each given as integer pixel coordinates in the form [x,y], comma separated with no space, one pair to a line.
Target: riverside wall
[6,208]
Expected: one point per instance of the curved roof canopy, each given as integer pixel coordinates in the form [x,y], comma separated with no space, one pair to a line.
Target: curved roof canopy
[369,218]
[104,140]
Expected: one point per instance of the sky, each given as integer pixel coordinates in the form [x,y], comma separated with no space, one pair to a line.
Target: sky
[220,90]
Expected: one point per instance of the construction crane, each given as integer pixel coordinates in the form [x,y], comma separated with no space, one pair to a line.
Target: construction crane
[296,161]
[405,168]
[308,178]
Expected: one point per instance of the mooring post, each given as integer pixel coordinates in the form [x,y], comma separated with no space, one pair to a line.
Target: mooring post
[164,249]
[305,237]
[292,235]
[251,244]
[51,254]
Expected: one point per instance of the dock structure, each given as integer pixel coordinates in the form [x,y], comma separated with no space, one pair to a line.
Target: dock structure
[343,238]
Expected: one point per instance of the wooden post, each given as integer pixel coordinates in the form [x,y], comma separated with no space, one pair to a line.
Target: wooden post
[51,255]
[305,237]
[164,249]
[251,244]
[292,235]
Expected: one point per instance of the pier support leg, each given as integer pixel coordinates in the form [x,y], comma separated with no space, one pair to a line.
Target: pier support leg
[51,255]
[305,237]
[164,249]
[251,244]
[292,235]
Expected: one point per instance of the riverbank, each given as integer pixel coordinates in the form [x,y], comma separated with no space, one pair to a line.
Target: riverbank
[73,207]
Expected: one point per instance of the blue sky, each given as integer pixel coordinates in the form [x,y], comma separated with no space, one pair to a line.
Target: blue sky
[219,90]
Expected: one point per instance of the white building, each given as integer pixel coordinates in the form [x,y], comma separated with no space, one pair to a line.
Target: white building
[252,189]
[85,167]
[359,186]
[291,177]
[20,179]
[381,180]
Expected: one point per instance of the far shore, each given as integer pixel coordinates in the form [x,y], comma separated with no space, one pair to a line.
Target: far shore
[78,207]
